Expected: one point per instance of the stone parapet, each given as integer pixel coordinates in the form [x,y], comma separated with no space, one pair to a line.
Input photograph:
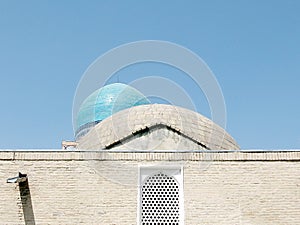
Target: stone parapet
[125,155]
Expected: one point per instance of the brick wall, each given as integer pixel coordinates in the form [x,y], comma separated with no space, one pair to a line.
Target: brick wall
[102,187]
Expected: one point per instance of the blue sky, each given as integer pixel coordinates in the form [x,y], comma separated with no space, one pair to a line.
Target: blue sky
[252,47]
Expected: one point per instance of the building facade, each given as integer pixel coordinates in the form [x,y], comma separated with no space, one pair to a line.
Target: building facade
[113,187]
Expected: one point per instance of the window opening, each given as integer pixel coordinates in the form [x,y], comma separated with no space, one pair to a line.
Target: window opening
[160,200]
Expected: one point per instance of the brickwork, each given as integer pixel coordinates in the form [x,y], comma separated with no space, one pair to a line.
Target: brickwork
[134,121]
[220,187]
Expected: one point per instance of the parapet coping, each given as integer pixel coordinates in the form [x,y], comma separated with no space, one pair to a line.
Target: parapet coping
[149,155]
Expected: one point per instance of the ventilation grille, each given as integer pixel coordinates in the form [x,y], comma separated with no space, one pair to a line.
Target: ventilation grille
[160,201]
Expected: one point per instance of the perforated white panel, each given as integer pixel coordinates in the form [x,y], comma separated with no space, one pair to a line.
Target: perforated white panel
[160,201]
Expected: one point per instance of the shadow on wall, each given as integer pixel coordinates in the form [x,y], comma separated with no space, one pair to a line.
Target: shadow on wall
[26,203]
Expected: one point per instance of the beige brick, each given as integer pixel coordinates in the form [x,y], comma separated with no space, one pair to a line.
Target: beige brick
[225,187]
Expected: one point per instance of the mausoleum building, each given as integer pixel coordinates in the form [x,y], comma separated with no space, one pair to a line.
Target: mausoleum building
[134,162]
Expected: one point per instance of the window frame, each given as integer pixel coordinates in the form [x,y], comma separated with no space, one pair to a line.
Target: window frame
[175,171]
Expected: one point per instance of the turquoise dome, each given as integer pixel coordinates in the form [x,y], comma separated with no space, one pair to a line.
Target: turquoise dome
[104,102]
